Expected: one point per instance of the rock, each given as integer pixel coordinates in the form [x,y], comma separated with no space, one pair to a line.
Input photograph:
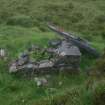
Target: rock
[13,68]
[41,81]
[23,58]
[44,81]
[3,54]
[38,82]
[30,66]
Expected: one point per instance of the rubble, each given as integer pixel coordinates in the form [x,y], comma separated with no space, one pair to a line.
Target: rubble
[62,55]
[81,43]
[66,56]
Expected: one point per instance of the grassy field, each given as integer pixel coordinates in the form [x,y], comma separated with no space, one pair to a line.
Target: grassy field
[21,91]
[86,17]
[23,22]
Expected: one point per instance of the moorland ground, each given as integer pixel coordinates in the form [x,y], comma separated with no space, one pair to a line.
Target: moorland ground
[23,22]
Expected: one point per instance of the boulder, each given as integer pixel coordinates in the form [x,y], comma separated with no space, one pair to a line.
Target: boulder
[41,81]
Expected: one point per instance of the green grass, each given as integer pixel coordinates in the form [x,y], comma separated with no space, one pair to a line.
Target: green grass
[86,17]
[23,91]
[23,22]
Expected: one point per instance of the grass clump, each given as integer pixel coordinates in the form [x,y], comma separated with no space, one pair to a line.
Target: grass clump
[21,20]
[99,94]
[99,68]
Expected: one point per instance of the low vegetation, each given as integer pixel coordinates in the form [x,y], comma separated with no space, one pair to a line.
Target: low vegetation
[23,22]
